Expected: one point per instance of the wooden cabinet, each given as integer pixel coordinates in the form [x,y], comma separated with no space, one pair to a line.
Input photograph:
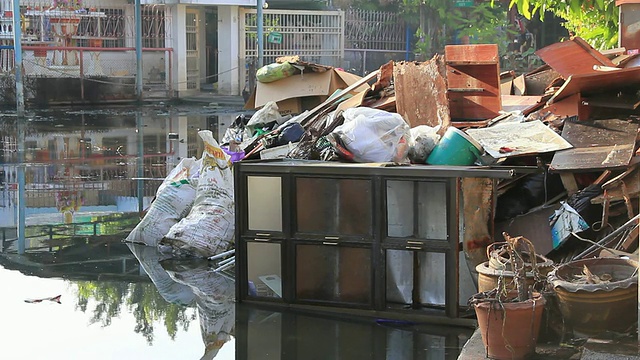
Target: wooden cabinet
[473,78]
[351,237]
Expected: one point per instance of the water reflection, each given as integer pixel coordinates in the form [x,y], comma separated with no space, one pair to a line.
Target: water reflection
[94,162]
[81,198]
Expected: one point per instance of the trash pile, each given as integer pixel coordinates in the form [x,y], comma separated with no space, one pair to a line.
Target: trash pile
[573,119]
[572,122]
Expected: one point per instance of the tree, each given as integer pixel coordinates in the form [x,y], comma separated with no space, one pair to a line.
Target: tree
[596,21]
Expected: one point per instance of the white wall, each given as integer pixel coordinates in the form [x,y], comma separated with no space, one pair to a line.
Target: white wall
[228,50]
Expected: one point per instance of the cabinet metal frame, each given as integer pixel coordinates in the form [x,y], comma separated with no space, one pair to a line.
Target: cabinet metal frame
[290,170]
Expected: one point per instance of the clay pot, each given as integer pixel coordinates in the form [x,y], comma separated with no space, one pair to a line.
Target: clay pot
[595,308]
[488,275]
[510,329]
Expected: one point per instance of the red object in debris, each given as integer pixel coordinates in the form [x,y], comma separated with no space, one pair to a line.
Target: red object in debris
[504,150]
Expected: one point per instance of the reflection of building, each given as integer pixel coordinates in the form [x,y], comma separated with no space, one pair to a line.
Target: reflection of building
[93,159]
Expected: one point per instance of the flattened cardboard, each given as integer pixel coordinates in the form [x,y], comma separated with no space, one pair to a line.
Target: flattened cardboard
[517,139]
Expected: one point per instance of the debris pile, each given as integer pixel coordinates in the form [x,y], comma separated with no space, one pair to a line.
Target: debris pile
[573,123]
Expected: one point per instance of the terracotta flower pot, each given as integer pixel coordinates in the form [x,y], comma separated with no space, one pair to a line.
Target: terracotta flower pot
[510,329]
[595,308]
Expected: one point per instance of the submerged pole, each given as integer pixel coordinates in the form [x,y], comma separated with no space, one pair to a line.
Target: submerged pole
[17,65]
[140,180]
[138,19]
[260,32]
[22,199]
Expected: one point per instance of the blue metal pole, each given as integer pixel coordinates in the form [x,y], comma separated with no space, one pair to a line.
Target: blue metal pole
[17,46]
[260,32]
[138,20]
[140,162]
[407,42]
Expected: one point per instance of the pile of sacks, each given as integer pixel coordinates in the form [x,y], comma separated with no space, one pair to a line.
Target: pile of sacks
[193,211]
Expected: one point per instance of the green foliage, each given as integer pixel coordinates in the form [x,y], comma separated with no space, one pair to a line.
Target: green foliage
[596,21]
[142,299]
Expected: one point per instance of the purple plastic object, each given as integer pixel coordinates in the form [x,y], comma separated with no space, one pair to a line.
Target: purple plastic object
[235,156]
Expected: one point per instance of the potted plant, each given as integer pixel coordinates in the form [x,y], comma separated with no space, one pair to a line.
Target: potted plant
[509,320]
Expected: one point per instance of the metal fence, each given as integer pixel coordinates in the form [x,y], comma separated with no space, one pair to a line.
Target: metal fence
[372,38]
[316,36]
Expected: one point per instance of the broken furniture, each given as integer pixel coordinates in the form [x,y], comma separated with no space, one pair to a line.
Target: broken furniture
[367,239]
[473,81]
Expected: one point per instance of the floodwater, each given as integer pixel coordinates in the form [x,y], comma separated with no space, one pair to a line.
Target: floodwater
[73,182]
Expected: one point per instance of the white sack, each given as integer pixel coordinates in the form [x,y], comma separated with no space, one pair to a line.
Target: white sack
[208,229]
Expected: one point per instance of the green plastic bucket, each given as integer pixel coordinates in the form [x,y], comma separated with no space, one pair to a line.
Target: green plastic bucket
[455,148]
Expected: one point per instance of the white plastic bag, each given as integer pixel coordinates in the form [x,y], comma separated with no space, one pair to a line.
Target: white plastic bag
[374,135]
[425,138]
[173,201]
[208,229]
[267,114]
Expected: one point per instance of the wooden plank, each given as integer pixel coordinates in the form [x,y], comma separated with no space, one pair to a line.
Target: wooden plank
[573,57]
[598,145]
[569,107]
[519,86]
[421,92]
[307,116]
[569,183]
[600,82]
[513,102]
[471,54]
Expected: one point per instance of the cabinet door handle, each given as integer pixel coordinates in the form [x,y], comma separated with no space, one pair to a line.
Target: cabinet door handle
[331,238]
[414,248]
[414,242]
[329,243]
[263,234]
[261,240]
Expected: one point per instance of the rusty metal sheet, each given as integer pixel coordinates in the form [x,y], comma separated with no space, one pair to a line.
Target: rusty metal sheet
[428,105]
[600,82]
[477,218]
[573,57]
[598,145]
[516,139]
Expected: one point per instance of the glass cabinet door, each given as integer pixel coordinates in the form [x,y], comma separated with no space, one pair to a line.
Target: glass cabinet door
[416,209]
[264,203]
[264,270]
[415,278]
[333,273]
[334,207]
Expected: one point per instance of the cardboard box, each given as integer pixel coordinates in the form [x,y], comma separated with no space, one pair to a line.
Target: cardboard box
[301,92]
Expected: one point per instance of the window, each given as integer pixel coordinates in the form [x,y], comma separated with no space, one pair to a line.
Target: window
[102,28]
[153,26]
